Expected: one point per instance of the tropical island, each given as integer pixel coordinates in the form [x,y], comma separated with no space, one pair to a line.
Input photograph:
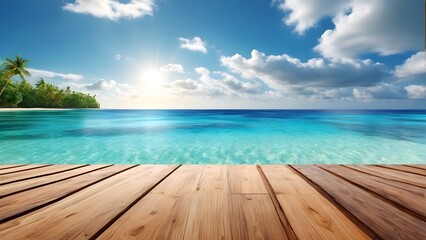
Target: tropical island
[22,94]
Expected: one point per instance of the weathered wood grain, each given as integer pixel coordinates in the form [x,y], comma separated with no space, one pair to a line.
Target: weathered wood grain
[309,213]
[212,202]
[82,215]
[33,173]
[391,174]
[22,168]
[380,217]
[253,216]
[421,166]
[156,216]
[245,179]
[9,166]
[405,169]
[183,180]
[408,196]
[214,178]
[41,181]
[25,201]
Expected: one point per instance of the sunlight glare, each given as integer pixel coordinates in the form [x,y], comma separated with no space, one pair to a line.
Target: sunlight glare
[152,79]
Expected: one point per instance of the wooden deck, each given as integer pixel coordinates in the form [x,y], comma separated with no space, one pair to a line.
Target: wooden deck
[213,202]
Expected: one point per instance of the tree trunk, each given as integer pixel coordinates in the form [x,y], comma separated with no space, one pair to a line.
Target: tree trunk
[7,83]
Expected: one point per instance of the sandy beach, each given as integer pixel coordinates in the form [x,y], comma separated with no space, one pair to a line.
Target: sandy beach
[32,109]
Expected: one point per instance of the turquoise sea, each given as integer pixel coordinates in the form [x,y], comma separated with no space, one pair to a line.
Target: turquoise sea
[213,136]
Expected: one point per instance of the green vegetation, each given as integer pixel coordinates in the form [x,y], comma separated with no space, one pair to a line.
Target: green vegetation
[43,95]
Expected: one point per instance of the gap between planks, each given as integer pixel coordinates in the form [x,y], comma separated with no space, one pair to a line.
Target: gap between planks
[360,224]
[377,195]
[283,218]
[114,219]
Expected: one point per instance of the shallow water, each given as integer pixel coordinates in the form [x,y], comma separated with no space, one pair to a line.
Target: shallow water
[212,136]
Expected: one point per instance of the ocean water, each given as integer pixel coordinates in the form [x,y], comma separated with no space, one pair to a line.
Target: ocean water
[213,136]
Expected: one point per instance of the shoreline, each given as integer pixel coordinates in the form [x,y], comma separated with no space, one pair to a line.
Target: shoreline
[32,109]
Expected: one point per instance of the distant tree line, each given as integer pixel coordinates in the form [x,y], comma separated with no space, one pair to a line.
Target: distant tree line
[43,95]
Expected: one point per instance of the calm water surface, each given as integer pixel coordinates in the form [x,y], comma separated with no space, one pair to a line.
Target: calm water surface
[212,136]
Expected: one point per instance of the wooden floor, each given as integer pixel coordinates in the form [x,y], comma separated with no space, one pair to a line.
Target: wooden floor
[213,202]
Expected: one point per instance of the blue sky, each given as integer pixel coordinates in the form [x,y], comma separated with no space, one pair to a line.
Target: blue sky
[225,54]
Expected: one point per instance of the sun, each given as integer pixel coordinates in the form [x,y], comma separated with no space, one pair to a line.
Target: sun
[152,79]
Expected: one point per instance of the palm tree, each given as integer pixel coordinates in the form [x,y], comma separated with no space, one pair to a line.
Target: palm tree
[14,67]
[41,83]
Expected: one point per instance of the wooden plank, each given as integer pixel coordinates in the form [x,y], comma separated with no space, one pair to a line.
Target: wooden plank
[8,166]
[243,214]
[82,215]
[22,168]
[220,212]
[408,196]
[183,180]
[214,178]
[382,218]
[404,169]
[163,212]
[194,203]
[308,212]
[284,180]
[156,216]
[391,174]
[253,216]
[209,217]
[41,181]
[245,179]
[33,173]
[421,166]
[26,201]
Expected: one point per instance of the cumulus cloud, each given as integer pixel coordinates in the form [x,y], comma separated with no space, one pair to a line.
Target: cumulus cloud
[171,67]
[382,26]
[112,9]
[50,74]
[194,44]
[102,85]
[283,72]
[187,84]
[363,26]
[109,85]
[304,14]
[240,86]
[416,91]
[381,91]
[414,66]
[215,84]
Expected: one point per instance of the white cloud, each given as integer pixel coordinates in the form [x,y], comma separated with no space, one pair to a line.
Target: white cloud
[304,14]
[112,9]
[50,74]
[360,26]
[195,44]
[381,91]
[416,91]
[171,67]
[240,86]
[412,67]
[187,84]
[381,26]
[221,84]
[103,85]
[284,73]
[118,57]
[109,85]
